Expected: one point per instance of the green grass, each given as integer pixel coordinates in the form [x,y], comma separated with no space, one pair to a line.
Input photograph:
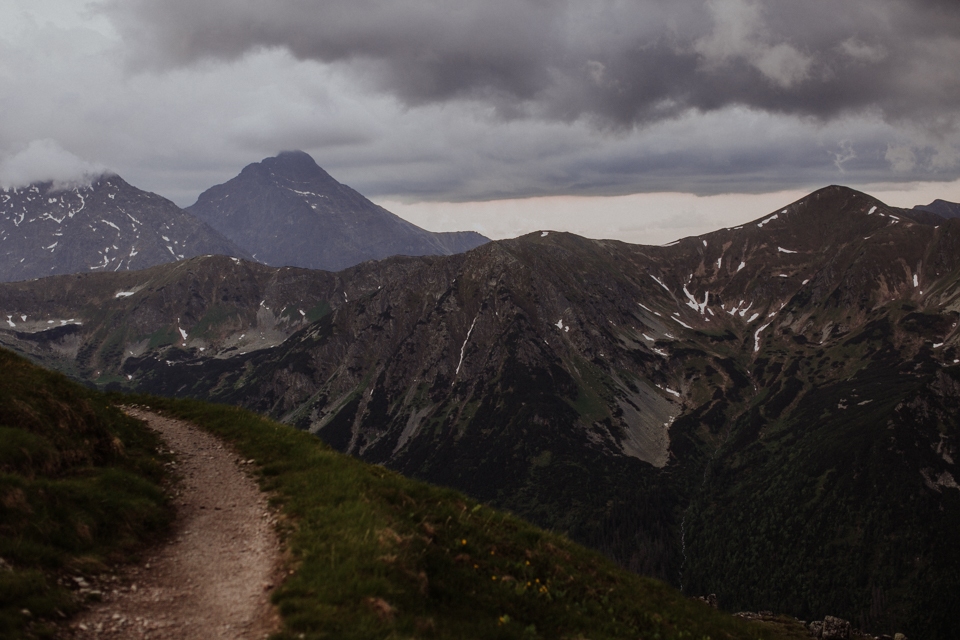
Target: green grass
[377,555]
[79,490]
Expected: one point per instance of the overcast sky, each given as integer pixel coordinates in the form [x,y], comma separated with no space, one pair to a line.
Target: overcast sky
[644,120]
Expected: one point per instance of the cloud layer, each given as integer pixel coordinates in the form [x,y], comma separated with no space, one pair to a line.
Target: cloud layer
[461,100]
[624,63]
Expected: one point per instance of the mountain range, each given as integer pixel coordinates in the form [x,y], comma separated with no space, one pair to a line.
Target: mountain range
[766,412]
[283,211]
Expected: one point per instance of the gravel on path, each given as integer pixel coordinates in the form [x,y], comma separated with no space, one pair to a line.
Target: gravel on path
[213,577]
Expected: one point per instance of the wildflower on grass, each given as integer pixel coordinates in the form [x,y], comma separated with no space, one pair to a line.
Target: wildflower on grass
[504,619]
[464,541]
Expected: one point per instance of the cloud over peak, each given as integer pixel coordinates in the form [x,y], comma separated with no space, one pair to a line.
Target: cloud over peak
[46,161]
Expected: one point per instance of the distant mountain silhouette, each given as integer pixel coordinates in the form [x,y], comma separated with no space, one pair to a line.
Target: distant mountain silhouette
[287,211]
[942,208]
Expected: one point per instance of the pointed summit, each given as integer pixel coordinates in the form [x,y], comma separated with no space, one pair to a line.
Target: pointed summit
[287,211]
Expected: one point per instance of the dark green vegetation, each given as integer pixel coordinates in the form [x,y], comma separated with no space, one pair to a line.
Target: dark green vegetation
[79,490]
[766,412]
[377,555]
[814,510]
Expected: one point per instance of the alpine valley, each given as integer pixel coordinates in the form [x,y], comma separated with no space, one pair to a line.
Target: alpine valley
[766,412]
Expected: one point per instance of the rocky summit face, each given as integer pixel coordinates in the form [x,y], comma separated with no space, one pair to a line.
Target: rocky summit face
[766,413]
[108,225]
[287,211]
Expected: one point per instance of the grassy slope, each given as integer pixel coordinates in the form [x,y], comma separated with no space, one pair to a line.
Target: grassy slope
[79,489]
[377,555]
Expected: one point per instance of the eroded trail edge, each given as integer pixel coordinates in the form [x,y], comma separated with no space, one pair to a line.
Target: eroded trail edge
[213,578]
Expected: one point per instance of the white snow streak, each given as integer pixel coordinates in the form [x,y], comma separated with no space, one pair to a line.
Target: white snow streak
[770,219]
[916,281]
[756,337]
[692,301]
[660,282]
[680,322]
[872,209]
[464,346]
[742,265]
[782,250]
[124,294]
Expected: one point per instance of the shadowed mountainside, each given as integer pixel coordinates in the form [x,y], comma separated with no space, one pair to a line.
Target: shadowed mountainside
[287,211]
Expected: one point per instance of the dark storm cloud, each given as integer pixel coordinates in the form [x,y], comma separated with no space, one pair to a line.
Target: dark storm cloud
[620,63]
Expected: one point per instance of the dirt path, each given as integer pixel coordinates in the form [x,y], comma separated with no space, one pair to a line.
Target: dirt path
[213,578]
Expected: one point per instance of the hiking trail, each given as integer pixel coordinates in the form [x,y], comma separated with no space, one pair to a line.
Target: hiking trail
[212,578]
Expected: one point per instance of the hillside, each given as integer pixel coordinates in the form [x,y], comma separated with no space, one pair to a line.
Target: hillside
[378,555]
[369,552]
[762,412]
[287,211]
[108,225]
[79,491]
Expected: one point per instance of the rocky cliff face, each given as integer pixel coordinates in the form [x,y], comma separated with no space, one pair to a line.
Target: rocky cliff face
[108,225]
[287,211]
[764,412]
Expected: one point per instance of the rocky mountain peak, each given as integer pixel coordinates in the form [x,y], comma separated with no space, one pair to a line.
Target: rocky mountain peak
[48,229]
[287,211]
[289,168]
